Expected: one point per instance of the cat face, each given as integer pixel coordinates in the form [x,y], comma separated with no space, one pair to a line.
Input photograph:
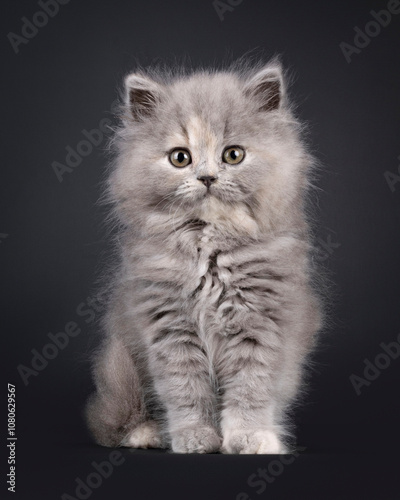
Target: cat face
[205,137]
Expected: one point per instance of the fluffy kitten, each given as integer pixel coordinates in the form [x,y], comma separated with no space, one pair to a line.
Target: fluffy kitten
[212,313]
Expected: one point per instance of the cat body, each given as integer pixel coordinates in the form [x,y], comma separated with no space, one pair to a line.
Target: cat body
[212,313]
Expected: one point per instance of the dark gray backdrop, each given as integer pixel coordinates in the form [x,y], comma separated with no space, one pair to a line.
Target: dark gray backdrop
[58,81]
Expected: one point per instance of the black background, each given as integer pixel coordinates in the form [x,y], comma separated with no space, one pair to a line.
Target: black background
[52,237]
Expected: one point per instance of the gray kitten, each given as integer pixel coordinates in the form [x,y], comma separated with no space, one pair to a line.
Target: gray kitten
[212,312]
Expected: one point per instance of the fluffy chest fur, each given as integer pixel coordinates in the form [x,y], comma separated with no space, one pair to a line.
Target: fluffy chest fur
[215,278]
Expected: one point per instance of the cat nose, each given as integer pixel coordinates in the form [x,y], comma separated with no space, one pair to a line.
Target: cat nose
[207,180]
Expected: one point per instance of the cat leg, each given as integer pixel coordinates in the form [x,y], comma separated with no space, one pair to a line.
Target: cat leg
[181,378]
[248,364]
[117,410]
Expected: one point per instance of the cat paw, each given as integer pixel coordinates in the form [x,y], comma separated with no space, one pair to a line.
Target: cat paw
[145,435]
[196,440]
[260,442]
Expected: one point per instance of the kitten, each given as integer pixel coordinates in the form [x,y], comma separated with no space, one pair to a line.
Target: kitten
[212,312]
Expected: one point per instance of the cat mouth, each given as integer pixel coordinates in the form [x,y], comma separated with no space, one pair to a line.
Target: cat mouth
[209,194]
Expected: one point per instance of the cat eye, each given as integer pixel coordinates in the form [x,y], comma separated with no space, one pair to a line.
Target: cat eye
[233,155]
[180,158]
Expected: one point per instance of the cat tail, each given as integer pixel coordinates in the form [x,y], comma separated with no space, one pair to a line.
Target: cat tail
[117,406]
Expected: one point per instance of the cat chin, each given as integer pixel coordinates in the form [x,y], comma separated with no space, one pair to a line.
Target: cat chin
[213,195]
[214,208]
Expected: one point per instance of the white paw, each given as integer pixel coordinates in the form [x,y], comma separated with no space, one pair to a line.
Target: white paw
[196,440]
[261,442]
[146,435]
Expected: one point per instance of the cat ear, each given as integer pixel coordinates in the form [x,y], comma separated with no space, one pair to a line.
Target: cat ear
[267,87]
[141,95]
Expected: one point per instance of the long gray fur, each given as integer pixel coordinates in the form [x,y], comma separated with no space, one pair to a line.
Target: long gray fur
[212,313]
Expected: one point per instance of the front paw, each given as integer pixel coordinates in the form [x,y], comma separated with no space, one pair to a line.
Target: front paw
[253,442]
[196,440]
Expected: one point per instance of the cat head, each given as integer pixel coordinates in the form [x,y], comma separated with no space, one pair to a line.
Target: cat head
[207,142]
